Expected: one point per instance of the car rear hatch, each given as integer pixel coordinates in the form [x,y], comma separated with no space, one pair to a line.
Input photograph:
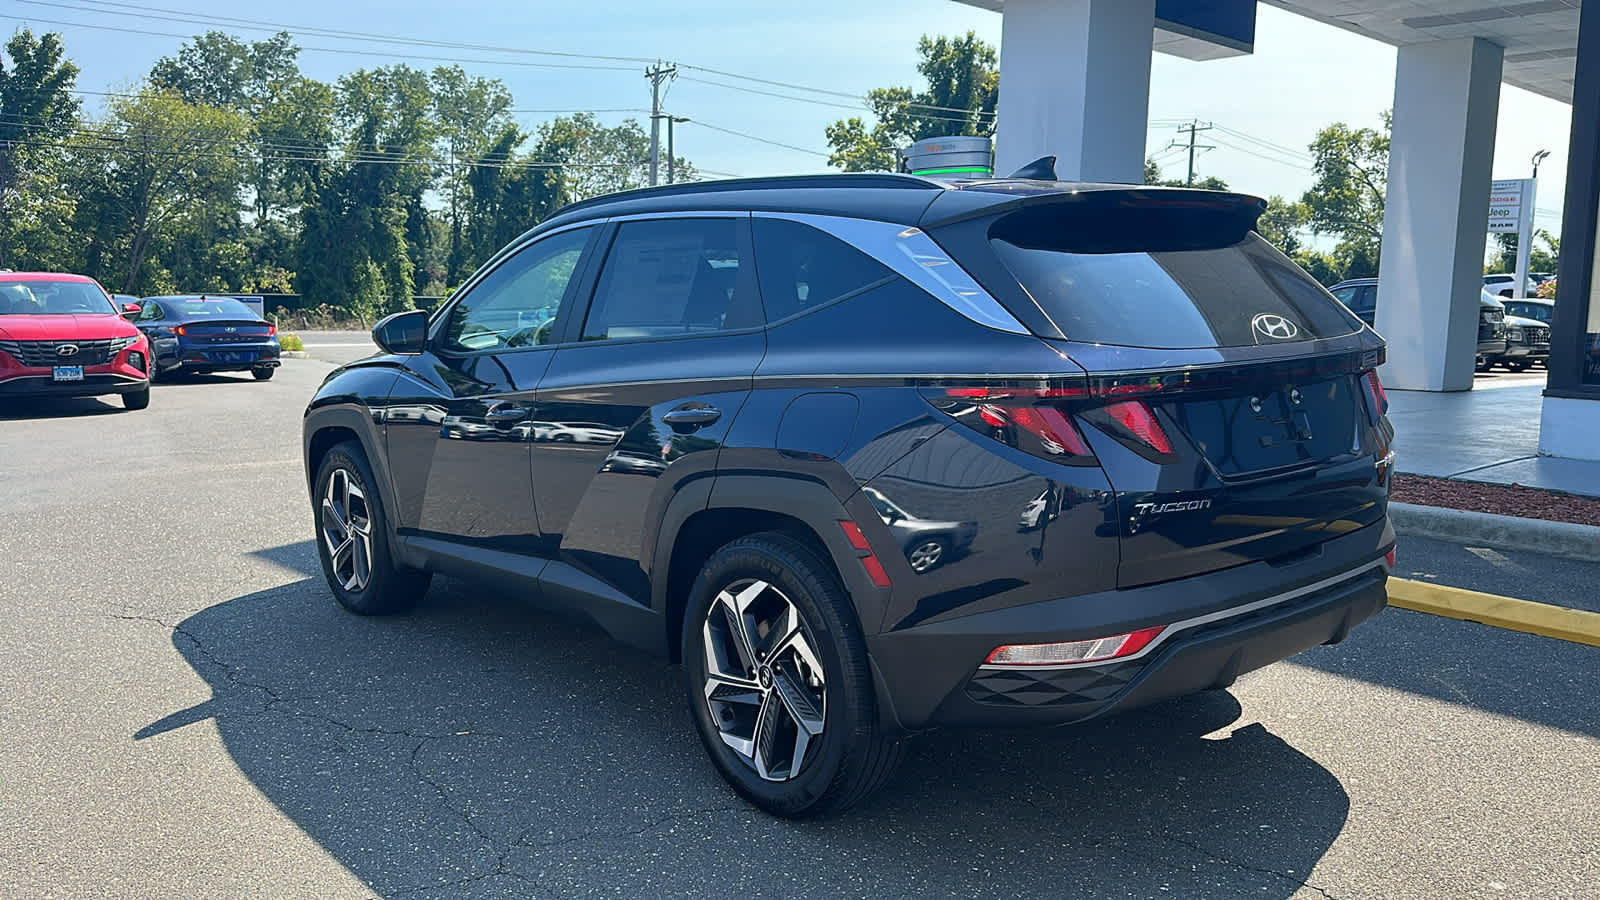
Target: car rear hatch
[1231,401]
[223,332]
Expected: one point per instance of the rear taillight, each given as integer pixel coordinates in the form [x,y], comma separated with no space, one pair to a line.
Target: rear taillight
[180,330]
[271,329]
[1377,398]
[1032,420]
[1140,420]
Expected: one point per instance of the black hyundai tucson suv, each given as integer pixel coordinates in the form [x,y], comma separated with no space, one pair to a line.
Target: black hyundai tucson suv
[705,416]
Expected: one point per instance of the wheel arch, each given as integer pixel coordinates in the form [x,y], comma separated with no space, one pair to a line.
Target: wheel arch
[694,527]
[329,426]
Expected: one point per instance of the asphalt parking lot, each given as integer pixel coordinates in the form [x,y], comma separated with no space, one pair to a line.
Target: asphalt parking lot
[186,712]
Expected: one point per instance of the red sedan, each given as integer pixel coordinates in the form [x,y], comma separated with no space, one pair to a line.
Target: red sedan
[62,336]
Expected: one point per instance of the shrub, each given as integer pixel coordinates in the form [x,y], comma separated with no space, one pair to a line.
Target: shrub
[288,340]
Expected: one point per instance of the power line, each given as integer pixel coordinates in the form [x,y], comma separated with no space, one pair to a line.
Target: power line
[195,18]
[340,50]
[762,140]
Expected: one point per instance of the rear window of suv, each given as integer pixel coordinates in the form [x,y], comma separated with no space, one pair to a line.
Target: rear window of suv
[1237,295]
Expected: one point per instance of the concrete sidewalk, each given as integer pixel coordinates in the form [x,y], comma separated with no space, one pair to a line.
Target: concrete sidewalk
[1490,434]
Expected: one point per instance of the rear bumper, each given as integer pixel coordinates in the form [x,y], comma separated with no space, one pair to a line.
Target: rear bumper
[1222,625]
[193,357]
[1526,351]
[92,385]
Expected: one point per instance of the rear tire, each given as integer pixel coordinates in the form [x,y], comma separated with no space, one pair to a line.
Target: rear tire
[263,373]
[1517,365]
[748,596]
[352,530]
[136,399]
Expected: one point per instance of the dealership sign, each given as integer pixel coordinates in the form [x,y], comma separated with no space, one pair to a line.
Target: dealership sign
[1506,203]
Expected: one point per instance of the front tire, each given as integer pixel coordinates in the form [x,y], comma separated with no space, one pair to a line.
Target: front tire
[353,538]
[136,399]
[778,681]
[263,373]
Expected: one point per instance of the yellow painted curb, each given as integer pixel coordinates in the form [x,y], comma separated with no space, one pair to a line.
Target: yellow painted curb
[1576,625]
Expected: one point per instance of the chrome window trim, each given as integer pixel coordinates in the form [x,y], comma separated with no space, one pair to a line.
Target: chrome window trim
[1197,621]
[911,254]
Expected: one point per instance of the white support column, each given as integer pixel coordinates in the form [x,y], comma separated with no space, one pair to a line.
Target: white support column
[1435,222]
[1076,84]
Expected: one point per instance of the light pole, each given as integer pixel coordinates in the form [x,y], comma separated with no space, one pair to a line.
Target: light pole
[670,152]
[1525,242]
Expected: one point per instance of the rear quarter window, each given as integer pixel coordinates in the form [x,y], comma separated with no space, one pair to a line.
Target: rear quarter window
[1182,298]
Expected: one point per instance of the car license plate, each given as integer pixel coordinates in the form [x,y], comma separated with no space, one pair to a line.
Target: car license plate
[67,373]
[233,357]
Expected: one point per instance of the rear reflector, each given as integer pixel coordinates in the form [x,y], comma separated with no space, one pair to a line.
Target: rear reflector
[1389,557]
[1073,652]
[852,533]
[869,560]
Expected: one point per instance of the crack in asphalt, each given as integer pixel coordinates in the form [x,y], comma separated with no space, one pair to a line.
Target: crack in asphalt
[277,702]
[522,839]
[1214,856]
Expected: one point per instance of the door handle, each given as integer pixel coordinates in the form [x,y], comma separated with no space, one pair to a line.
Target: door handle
[505,415]
[689,418]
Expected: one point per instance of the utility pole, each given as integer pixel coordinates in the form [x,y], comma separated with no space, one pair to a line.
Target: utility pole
[658,73]
[671,154]
[1192,129]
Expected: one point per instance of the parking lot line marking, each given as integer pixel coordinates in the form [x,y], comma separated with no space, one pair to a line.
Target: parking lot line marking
[1561,622]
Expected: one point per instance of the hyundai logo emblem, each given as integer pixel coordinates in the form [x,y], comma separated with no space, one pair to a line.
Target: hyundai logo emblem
[67,350]
[1275,326]
[230,329]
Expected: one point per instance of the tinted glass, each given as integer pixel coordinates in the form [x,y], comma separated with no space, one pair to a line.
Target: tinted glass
[1182,298]
[1529,310]
[1366,299]
[1345,295]
[800,267]
[208,308]
[150,310]
[516,304]
[53,298]
[666,277]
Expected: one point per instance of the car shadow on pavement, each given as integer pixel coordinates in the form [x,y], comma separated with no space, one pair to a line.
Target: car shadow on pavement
[12,409]
[1520,676]
[477,747]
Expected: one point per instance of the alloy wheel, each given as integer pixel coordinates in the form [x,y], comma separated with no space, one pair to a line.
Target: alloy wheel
[347,530]
[765,686]
[926,555]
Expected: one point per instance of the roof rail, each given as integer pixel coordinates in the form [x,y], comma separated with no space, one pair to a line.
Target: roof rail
[842,179]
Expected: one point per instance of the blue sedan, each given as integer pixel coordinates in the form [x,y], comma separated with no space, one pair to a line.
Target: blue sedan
[207,334]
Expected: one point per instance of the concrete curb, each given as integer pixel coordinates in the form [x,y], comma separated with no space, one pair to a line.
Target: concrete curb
[1561,539]
[1560,622]
[294,354]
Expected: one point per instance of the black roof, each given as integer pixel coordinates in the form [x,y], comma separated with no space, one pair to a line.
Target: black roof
[902,199]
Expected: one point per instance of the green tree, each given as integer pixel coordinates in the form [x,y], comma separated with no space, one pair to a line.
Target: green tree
[37,116]
[1152,176]
[359,242]
[160,163]
[1540,259]
[599,160]
[1281,224]
[510,194]
[217,69]
[963,82]
[1352,174]
[471,112]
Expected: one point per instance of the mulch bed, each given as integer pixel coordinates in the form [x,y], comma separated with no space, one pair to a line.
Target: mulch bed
[1500,499]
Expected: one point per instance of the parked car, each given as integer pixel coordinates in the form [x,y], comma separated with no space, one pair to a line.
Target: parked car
[199,334]
[799,350]
[926,543]
[1527,333]
[62,336]
[1361,296]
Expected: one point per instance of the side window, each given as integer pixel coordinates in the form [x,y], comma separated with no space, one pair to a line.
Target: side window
[1367,300]
[516,304]
[150,312]
[801,267]
[668,277]
[1346,295]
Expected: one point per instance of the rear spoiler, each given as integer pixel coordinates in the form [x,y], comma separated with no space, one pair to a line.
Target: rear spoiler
[1101,218]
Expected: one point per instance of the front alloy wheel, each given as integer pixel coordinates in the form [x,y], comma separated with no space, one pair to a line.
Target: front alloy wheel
[765,686]
[347,530]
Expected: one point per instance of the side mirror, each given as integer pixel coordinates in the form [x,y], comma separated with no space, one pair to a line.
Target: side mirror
[402,332]
[130,311]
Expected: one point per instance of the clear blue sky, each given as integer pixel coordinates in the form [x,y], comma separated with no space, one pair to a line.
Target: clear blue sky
[1302,76]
